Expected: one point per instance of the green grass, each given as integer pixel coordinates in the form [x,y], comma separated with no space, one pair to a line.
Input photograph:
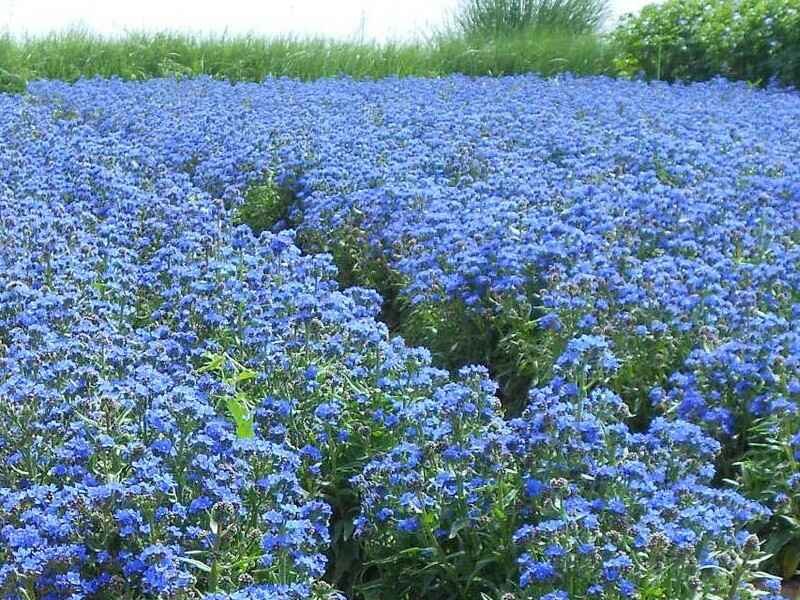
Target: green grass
[73,54]
[498,17]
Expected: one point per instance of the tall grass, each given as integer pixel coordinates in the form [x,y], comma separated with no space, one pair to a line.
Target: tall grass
[496,18]
[73,54]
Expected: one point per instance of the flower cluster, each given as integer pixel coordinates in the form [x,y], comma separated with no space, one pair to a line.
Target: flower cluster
[563,502]
[660,217]
[122,472]
[190,406]
[615,514]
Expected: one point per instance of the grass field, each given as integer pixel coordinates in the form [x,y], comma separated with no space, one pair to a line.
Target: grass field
[74,54]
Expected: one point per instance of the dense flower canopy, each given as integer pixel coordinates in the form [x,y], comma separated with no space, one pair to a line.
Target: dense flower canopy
[192,406]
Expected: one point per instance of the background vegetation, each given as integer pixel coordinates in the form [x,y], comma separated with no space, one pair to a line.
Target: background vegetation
[74,54]
[753,40]
[499,17]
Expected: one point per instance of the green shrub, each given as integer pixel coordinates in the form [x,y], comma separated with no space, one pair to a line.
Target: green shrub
[754,40]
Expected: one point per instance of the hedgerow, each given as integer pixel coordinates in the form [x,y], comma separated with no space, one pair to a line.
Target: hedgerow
[752,40]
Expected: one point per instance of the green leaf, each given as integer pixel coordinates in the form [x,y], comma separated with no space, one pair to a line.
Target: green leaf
[196,564]
[245,375]
[790,559]
[778,540]
[214,362]
[349,527]
[791,521]
[241,417]
[457,527]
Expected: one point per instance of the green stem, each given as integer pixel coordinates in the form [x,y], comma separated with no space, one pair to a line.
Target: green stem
[213,576]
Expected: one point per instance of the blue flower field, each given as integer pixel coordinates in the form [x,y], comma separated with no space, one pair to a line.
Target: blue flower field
[458,338]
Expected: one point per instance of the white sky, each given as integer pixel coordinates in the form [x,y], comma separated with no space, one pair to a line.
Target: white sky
[376,19]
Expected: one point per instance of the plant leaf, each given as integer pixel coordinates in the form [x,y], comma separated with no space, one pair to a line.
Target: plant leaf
[241,417]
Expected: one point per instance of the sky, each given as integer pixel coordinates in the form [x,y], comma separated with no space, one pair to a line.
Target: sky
[344,19]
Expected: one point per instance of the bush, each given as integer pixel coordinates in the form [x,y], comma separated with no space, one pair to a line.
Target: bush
[495,18]
[754,40]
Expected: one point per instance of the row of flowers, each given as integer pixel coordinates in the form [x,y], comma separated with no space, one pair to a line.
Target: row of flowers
[507,217]
[190,408]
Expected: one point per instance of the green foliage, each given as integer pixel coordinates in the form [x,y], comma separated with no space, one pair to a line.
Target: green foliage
[265,204]
[460,564]
[497,18]
[769,472]
[74,54]
[507,335]
[239,402]
[507,338]
[546,52]
[753,40]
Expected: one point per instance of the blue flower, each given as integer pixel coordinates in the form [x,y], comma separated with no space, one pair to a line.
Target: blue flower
[408,525]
